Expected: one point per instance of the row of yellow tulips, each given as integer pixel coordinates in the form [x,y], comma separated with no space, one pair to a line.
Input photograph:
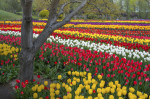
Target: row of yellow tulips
[124,27]
[109,21]
[103,36]
[82,85]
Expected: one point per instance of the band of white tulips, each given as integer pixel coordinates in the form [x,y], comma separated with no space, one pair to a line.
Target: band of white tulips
[111,49]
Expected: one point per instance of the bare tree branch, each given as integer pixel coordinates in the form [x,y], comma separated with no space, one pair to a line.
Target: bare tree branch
[53,12]
[64,5]
[50,27]
[68,17]
[99,10]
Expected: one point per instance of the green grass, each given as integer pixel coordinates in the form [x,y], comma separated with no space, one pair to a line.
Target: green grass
[9,16]
[4,15]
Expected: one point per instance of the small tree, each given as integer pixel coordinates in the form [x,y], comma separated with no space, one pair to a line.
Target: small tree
[31,46]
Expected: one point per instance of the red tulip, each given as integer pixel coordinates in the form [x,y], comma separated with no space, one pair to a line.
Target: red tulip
[142,73]
[140,83]
[125,77]
[145,75]
[104,67]
[18,81]
[135,82]
[13,65]
[16,87]
[47,97]
[127,80]
[87,69]
[22,92]
[38,76]
[138,73]
[79,64]
[26,82]
[55,63]
[45,88]
[23,84]
[108,75]
[128,75]
[139,78]
[94,91]
[133,76]
[84,66]
[147,79]
[90,65]
[102,74]
[33,80]
[113,69]
[121,71]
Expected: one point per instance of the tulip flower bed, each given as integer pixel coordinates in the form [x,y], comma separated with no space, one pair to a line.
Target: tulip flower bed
[79,85]
[130,54]
[38,29]
[105,59]
[8,57]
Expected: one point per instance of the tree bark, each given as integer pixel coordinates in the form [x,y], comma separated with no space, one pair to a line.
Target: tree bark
[147,10]
[26,65]
[26,55]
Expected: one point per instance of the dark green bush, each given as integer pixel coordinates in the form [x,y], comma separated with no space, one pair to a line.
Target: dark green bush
[92,16]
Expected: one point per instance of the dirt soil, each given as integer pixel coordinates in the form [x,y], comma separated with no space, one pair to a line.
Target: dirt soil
[6,92]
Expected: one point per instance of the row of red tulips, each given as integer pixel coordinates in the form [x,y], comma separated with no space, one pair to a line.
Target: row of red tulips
[128,33]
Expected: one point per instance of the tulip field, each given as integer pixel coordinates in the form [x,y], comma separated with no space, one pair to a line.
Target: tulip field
[84,59]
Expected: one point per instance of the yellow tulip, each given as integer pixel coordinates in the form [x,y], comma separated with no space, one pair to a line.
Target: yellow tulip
[35,95]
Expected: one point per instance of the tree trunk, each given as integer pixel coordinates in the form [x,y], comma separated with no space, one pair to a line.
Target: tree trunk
[26,55]
[147,10]
[26,65]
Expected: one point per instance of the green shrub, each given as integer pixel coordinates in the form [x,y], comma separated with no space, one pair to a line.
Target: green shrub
[92,16]
[44,14]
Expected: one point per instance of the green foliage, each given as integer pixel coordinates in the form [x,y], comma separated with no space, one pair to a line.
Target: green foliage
[19,13]
[44,14]
[92,16]
[109,9]
[8,73]
[4,15]
[10,5]
[39,5]
[104,8]
[134,8]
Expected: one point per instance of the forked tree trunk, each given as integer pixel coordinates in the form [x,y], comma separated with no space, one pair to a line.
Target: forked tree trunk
[30,47]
